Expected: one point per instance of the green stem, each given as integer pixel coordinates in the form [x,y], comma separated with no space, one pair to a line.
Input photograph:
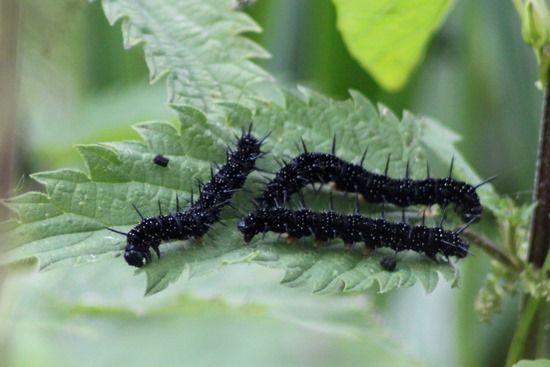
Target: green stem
[493,250]
[520,348]
[511,238]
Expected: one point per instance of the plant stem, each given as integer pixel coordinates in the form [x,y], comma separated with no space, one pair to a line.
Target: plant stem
[540,229]
[526,342]
[520,347]
[495,251]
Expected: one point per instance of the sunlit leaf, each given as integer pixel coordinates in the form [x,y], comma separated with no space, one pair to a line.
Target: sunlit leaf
[389,37]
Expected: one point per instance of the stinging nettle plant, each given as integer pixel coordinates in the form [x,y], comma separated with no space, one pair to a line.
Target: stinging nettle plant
[198,46]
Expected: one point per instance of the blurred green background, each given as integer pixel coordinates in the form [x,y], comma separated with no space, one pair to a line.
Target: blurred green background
[78,85]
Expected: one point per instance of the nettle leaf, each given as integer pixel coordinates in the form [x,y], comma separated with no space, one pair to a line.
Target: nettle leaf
[198,45]
[190,318]
[389,37]
[66,225]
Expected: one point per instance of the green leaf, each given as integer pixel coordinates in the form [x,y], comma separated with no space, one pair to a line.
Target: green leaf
[535,29]
[198,45]
[105,116]
[533,363]
[67,224]
[389,37]
[98,308]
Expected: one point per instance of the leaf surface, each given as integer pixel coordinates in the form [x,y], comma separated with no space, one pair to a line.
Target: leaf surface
[389,37]
[199,47]
[67,223]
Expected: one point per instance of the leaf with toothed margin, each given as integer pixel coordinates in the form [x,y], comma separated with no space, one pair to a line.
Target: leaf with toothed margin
[198,44]
[199,47]
[67,223]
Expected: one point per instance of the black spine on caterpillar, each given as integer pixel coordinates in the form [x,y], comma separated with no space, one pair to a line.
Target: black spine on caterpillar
[308,168]
[197,219]
[354,228]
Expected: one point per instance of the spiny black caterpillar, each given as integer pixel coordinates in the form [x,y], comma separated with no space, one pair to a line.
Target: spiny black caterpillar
[355,228]
[199,217]
[309,168]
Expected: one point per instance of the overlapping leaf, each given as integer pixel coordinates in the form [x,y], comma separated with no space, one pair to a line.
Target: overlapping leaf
[199,46]
[389,38]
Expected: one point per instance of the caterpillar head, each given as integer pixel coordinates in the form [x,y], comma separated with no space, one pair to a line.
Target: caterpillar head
[469,207]
[136,252]
[252,224]
[136,256]
[139,241]
[471,213]
[454,245]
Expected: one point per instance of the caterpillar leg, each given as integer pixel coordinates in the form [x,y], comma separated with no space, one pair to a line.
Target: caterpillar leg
[156,249]
[432,257]
[389,263]
[348,246]
[317,243]
[290,239]
[367,250]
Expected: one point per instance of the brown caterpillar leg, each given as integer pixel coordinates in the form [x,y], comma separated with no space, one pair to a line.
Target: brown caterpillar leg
[367,250]
[290,239]
[348,246]
[389,263]
[318,243]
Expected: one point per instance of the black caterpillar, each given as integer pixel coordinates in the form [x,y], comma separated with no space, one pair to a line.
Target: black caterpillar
[355,228]
[197,219]
[309,168]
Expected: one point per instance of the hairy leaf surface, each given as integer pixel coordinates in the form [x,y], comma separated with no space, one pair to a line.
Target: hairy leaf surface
[213,87]
[67,223]
[199,46]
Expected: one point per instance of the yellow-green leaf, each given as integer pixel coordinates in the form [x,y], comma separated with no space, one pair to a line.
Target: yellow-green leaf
[389,37]
[533,363]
